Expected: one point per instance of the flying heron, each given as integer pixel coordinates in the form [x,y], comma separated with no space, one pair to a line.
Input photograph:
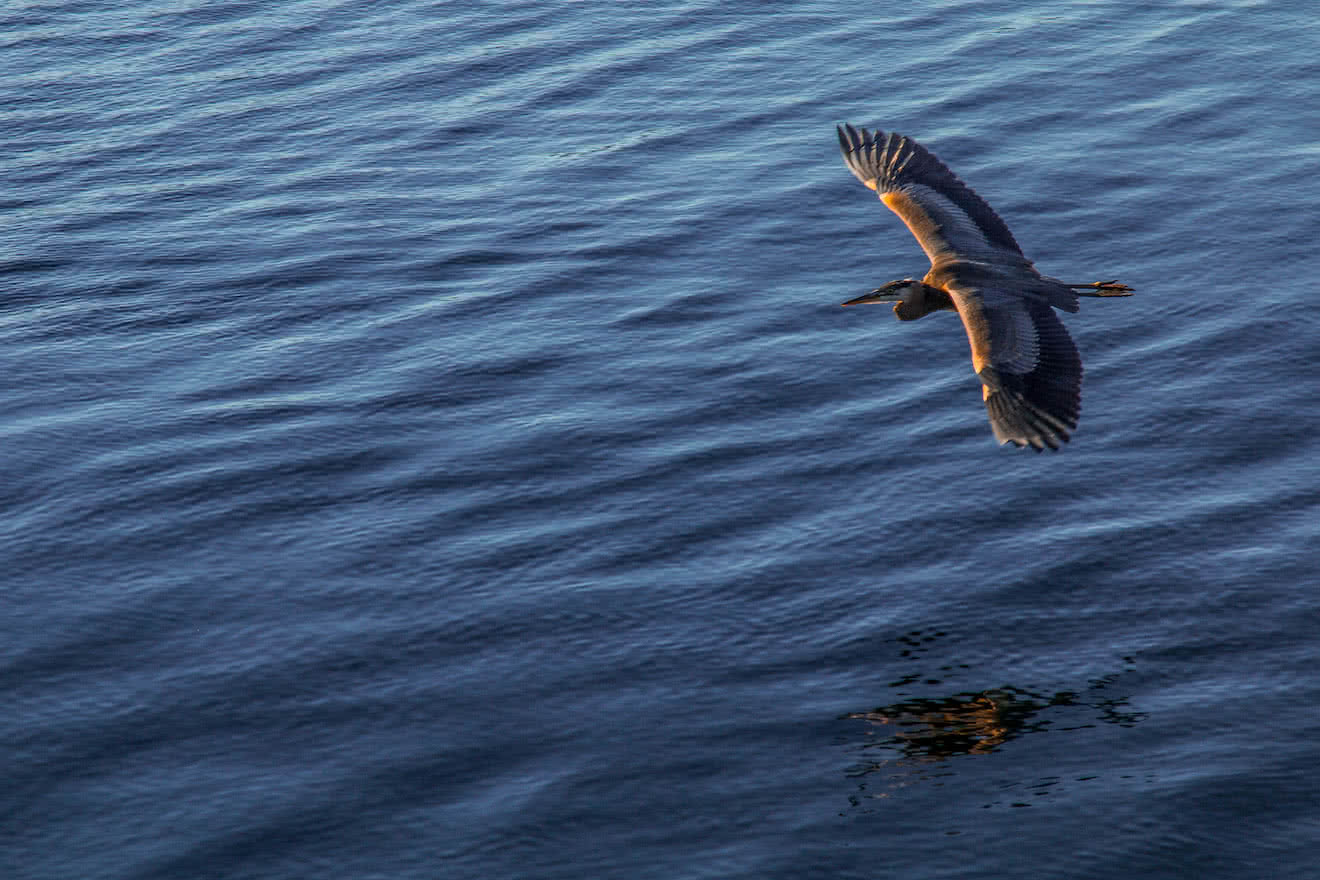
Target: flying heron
[1030,372]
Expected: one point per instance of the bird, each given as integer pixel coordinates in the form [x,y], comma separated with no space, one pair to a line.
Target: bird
[1030,371]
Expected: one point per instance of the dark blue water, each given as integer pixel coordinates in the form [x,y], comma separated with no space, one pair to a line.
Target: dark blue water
[433,447]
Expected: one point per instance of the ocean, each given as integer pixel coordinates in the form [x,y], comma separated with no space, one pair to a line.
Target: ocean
[434,448]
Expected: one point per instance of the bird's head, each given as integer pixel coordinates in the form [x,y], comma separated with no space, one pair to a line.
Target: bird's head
[907,295]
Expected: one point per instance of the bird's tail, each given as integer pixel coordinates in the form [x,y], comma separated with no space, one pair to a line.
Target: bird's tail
[1101,288]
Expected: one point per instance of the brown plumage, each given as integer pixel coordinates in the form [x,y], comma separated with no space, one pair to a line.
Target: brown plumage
[1030,372]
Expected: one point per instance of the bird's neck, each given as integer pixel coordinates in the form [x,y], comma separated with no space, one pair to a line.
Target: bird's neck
[919,300]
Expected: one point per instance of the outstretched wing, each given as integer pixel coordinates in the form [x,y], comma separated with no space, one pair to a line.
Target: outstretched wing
[1031,374]
[950,221]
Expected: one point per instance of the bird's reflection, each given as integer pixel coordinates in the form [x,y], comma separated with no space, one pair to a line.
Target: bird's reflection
[961,724]
[932,729]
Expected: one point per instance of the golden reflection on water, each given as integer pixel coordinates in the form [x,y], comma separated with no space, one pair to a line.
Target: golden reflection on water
[922,731]
[962,724]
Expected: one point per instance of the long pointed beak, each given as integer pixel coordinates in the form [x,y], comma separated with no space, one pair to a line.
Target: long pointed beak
[878,295]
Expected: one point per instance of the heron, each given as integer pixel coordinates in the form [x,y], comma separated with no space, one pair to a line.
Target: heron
[1030,372]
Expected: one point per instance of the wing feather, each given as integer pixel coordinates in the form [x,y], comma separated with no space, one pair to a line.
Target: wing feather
[948,219]
[1029,368]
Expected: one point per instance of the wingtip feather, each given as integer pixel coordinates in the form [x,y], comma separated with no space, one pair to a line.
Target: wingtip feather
[1015,420]
[896,161]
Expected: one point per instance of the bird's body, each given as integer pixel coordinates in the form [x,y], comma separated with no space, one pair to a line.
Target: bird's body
[1030,372]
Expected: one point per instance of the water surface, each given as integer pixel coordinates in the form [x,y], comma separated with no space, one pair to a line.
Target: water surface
[434,448]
